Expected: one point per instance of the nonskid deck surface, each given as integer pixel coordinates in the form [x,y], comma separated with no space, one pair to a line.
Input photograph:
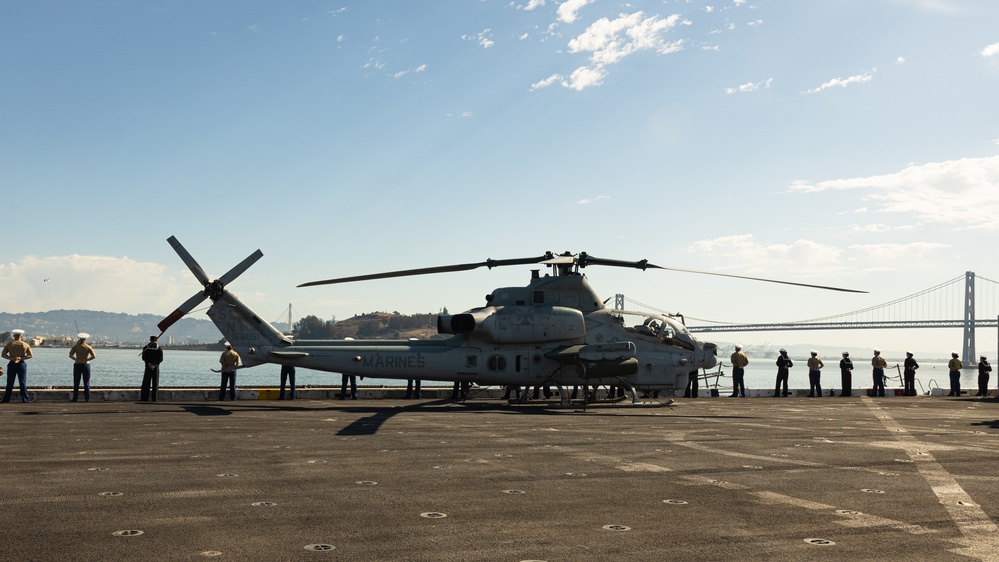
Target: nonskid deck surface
[723,479]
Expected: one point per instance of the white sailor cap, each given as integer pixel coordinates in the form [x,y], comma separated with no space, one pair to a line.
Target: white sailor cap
[908,353]
[877,351]
[813,352]
[954,353]
[227,344]
[738,346]
[846,353]
[782,350]
[17,332]
[83,335]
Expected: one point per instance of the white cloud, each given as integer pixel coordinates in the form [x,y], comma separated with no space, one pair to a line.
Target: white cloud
[990,50]
[900,60]
[744,255]
[482,38]
[878,228]
[844,82]
[743,252]
[417,70]
[938,6]
[594,200]
[568,11]
[584,77]
[749,87]
[532,5]
[553,79]
[962,193]
[82,282]
[911,249]
[608,41]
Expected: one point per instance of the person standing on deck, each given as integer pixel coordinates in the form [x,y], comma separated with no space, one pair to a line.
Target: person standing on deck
[229,361]
[983,376]
[878,373]
[152,356]
[815,375]
[81,354]
[784,365]
[955,365]
[344,379]
[739,362]
[846,374]
[16,352]
[909,375]
[287,376]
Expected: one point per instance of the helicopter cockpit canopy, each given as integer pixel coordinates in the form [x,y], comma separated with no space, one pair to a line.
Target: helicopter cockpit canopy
[663,328]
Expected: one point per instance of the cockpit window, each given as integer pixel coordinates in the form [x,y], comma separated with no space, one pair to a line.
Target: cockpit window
[680,337]
[663,328]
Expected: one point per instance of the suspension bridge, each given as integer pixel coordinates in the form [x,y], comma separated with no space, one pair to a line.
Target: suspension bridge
[951,304]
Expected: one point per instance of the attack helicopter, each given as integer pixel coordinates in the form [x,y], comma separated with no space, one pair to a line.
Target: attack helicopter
[555,331]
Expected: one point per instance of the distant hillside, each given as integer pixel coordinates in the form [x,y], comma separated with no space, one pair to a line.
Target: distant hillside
[107,327]
[385,325]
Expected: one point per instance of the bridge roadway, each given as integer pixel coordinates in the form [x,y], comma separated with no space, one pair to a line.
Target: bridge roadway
[707,479]
[871,325]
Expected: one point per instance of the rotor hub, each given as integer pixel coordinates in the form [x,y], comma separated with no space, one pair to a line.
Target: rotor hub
[214,290]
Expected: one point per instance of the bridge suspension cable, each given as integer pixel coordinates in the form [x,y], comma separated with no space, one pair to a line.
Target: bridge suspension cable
[950,304]
[883,306]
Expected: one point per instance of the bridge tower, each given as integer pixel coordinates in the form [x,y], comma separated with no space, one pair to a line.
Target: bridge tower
[968,356]
[619,301]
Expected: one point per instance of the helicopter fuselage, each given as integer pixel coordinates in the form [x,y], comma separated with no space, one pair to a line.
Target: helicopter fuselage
[553,331]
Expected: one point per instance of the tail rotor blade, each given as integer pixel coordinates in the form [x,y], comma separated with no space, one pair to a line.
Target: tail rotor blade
[189,261]
[181,311]
[241,267]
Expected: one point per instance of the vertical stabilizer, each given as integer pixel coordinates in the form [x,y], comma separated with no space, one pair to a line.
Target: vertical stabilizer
[242,327]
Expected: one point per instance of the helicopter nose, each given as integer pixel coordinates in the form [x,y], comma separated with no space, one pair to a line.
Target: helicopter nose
[709,355]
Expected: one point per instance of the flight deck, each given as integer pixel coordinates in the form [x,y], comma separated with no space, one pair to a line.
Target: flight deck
[720,479]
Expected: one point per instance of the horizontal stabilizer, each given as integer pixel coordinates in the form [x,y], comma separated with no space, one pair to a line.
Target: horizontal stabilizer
[290,354]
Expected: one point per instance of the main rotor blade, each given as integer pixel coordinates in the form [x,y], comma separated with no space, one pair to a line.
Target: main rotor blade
[490,263]
[189,261]
[828,288]
[242,266]
[181,311]
[586,259]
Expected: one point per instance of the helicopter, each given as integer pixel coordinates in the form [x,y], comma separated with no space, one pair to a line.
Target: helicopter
[555,331]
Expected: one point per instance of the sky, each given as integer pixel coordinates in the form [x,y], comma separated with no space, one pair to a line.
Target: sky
[848,143]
